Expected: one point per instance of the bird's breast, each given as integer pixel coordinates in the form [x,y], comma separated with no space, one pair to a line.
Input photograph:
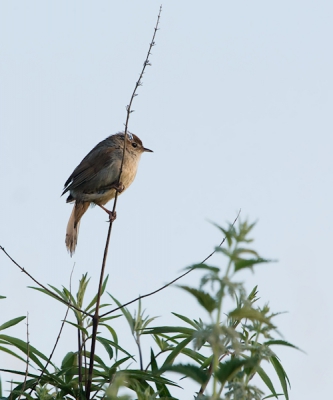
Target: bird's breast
[96,189]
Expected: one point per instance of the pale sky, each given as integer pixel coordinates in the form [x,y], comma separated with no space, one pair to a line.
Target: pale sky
[237,107]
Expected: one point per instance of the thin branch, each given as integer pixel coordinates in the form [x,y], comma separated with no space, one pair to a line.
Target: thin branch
[170,283]
[98,390]
[79,333]
[85,362]
[79,357]
[134,94]
[28,356]
[68,303]
[204,385]
[96,316]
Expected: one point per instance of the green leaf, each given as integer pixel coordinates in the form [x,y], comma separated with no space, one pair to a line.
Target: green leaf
[10,323]
[196,356]
[153,362]
[105,319]
[191,371]
[207,362]
[176,351]
[162,342]
[249,263]
[249,313]
[2,297]
[253,295]
[93,301]
[281,373]
[147,376]
[113,344]
[69,360]
[100,363]
[113,334]
[187,320]
[81,328]
[229,369]
[4,349]
[204,298]
[59,292]
[169,329]
[119,362]
[33,352]
[84,281]
[224,251]
[228,233]
[204,267]
[67,365]
[161,388]
[126,313]
[282,343]
[106,345]
[266,380]
[18,390]
[243,230]
[243,250]
[51,294]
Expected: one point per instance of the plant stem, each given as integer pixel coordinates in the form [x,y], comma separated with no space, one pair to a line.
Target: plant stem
[96,315]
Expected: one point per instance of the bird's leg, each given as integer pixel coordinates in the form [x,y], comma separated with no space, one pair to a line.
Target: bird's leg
[112,215]
[119,188]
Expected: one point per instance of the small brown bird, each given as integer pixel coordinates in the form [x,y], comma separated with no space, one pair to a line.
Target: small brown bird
[95,179]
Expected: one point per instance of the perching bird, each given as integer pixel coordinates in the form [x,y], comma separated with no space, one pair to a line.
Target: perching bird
[95,179]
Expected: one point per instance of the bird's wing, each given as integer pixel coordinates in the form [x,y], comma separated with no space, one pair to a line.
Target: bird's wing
[88,169]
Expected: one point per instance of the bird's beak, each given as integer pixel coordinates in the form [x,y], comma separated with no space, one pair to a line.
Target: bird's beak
[149,151]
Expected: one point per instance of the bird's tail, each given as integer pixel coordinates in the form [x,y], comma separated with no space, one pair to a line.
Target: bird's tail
[72,231]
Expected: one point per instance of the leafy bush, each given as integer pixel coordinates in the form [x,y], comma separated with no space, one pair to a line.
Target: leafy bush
[221,354]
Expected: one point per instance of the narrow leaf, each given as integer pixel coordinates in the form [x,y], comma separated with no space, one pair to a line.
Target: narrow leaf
[281,373]
[106,345]
[191,371]
[176,351]
[81,328]
[282,343]
[249,313]
[33,352]
[12,353]
[266,380]
[10,323]
[249,263]
[187,320]
[205,267]
[168,329]
[204,298]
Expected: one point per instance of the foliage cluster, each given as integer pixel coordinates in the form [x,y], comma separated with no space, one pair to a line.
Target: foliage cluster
[221,354]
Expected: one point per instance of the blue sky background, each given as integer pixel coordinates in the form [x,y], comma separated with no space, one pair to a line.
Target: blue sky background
[237,107]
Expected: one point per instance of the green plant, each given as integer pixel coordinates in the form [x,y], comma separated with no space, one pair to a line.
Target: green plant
[221,353]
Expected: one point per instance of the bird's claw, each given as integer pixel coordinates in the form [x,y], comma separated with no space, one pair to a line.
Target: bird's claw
[112,215]
[119,188]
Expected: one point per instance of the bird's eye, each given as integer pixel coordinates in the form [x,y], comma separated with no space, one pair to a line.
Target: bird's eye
[134,144]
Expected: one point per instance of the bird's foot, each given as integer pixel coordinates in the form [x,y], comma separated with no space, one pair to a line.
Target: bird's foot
[119,188]
[112,214]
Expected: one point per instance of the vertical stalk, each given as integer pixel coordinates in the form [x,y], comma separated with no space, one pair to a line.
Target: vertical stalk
[96,315]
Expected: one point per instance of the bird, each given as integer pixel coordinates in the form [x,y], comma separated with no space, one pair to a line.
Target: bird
[96,179]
